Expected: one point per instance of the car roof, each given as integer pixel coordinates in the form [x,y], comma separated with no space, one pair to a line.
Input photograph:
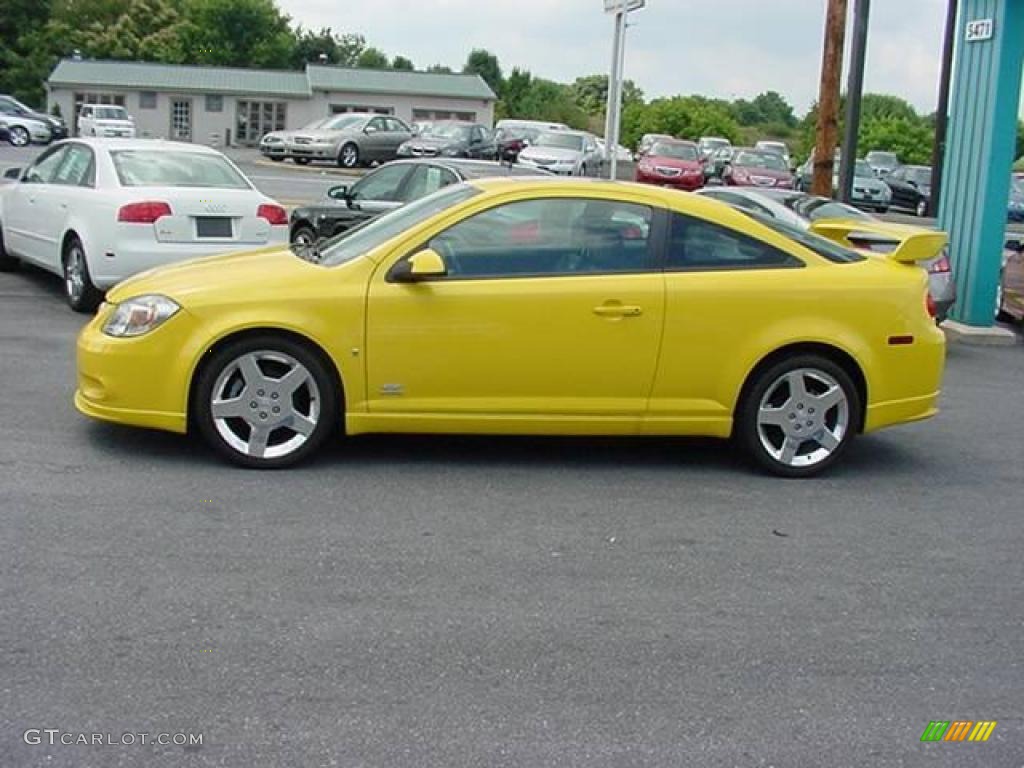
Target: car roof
[472,169]
[153,144]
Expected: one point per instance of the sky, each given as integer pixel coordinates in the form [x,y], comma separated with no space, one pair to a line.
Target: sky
[719,48]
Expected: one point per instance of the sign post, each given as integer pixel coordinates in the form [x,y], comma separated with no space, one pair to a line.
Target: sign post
[613,117]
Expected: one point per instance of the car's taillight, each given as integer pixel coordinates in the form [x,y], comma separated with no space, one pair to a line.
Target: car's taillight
[275,215]
[929,304]
[941,264]
[143,213]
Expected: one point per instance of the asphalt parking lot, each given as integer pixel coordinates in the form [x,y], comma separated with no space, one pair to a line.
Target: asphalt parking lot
[410,601]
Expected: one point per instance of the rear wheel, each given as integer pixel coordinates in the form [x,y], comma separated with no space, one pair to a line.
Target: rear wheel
[799,416]
[301,160]
[265,402]
[81,294]
[349,156]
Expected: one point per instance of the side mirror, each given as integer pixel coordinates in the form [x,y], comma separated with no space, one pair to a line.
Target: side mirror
[12,173]
[339,192]
[370,129]
[422,265]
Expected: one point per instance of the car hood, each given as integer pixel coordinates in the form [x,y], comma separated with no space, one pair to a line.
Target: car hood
[243,276]
[673,162]
[770,173]
[323,135]
[550,153]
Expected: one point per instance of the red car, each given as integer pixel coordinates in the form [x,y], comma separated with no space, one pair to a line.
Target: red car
[672,164]
[753,168]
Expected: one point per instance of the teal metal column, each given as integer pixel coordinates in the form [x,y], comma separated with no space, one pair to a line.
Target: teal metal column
[979,149]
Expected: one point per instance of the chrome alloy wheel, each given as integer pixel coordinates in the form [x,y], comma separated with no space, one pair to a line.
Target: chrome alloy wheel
[349,156]
[265,404]
[74,273]
[803,417]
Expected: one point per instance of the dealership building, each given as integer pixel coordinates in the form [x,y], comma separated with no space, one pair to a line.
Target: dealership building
[225,106]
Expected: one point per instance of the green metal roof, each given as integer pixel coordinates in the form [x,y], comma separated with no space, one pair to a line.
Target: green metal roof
[161,77]
[148,76]
[325,78]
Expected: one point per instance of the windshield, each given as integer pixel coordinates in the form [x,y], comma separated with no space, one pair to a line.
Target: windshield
[815,208]
[560,140]
[456,131]
[171,168]
[110,113]
[883,159]
[365,238]
[766,160]
[677,151]
[862,170]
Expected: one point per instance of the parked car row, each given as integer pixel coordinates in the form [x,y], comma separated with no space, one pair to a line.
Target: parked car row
[20,125]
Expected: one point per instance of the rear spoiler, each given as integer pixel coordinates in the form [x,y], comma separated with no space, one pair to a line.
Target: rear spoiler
[909,244]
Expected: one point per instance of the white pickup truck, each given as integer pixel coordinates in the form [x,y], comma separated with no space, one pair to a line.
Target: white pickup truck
[105,120]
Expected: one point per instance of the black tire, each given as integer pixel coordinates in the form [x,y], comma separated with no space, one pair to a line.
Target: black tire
[276,158]
[223,360]
[921,209]
[301,160]
[81,294]
[304,234]
[746,427]
[348,156]
[19,136]
[8,263]
[882,209]
[583,170]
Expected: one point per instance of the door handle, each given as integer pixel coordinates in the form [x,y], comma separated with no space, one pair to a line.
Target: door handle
[618,310]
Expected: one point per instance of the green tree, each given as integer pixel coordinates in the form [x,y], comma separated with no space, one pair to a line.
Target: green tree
[237,33]
[881,105]
[400,62]
[373,58]
[484,63]
[686,117]
[911,140]
[591,93]
[440,69]
[340,50]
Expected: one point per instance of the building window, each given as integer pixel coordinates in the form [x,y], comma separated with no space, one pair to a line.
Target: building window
[147,99]
[442,114]
[340,109]
[253,119]
[214,102]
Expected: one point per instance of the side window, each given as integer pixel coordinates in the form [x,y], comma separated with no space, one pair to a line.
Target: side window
[396,126]
[425,180]
[696,244]
[76,168]
[549,237]
[477,135]
[381,185]
[45,168]
[376,125]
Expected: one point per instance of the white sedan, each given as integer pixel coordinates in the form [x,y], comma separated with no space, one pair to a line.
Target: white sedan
[96,211]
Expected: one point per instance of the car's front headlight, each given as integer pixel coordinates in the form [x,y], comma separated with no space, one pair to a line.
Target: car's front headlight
[450,151]
[139,315]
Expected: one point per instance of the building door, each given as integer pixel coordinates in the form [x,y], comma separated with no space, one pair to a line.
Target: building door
[181,120]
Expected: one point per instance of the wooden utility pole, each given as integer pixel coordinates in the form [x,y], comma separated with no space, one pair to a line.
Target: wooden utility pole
[828,99]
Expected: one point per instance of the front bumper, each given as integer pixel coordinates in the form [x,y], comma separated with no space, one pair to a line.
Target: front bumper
[686,183]
[140,381]
[312,151]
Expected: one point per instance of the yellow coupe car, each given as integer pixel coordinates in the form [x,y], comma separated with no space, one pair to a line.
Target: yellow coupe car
[529,306]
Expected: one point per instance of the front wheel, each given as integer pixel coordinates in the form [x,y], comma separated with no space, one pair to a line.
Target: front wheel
[303,236]
[349,156]
[19,136]
[265,402]
[301,160]
[81,294]
[799,416]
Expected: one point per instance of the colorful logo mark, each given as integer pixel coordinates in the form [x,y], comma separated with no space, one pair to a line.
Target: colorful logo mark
[958,730]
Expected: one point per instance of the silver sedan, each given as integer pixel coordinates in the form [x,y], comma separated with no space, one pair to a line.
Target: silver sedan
[567,153]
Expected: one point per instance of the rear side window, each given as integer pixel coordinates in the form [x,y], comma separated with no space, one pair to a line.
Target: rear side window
[822,246]
[699,245]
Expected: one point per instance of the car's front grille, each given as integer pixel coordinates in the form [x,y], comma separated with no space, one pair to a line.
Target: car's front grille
[667,171]
[302,140]
[763,181]
[419,151]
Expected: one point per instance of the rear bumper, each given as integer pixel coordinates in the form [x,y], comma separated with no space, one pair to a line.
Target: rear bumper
[910,388]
